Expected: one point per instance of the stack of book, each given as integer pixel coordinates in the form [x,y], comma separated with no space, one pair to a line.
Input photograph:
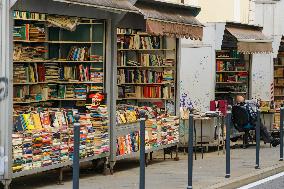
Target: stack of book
[168,75]
[36,33]
[20,73]
[96,75]
[28,53]
[17,152]
[170,129]
[51,72]
[100,125]
[80,91]
[69,94]
[97,58]
[169,62]
[20,32]
[152,133]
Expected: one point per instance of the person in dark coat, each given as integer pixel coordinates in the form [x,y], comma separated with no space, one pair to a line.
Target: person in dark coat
[264,133]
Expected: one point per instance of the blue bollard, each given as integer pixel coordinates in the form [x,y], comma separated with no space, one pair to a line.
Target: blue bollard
[228,145]
[281,133]
[76,155]
[257,136]
[190,151]
[142,151]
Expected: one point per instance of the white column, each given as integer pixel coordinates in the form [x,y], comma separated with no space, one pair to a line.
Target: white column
[237,10]
[6,91]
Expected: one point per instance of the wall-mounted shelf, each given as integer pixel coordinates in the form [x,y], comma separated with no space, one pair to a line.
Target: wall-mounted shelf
[226,58]
[233,92]
[59,61]
[231,71]
[146,49]
[59,42]
[230,83]
[137,67]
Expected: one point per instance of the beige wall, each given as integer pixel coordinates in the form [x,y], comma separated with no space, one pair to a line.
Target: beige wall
[221,10]
[216,10]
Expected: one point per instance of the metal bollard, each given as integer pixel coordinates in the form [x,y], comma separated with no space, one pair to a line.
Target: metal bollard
[228,145]
[257,136]
[76,153]
[142,152]
[190,151]
[281,133]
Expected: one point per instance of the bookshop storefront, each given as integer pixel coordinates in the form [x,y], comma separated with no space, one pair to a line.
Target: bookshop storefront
[55,64]
[148,72]
[278,82]
[234,60]
[60,58]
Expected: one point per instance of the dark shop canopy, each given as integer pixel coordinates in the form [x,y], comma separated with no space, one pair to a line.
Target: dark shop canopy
[248,39]
[165,19]
[115,5]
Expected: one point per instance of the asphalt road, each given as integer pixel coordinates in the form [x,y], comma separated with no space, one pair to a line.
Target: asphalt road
[274,182]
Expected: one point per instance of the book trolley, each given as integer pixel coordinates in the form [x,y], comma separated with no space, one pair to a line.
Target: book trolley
[233,61]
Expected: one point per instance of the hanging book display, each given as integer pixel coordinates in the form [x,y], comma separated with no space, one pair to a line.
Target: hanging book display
[54,68]
[146,79]
[160,129]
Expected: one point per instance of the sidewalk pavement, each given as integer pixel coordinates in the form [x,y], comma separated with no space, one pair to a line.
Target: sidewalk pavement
[208,173]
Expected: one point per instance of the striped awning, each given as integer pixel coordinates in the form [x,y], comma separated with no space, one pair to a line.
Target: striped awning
[111,5]
[170,19]
[250,39]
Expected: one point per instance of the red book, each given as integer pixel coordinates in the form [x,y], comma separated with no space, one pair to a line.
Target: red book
[27,32]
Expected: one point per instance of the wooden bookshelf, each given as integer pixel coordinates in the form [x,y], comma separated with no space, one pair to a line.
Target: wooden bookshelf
[144,83]
[146,49]
[144,99]
[279,80]
[230,83]
[58,61]
[228,92]
[227,58]
[54,46]
[35,20]
[140,56]
[59,42]
[232,73]
[137,67]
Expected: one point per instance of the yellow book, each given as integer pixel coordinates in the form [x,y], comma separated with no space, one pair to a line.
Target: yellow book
[37,122]
[28,122]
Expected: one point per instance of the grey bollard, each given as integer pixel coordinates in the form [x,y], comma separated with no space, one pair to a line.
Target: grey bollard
[228,145]
[190,151]
[257,136]
[76,153]
[142,151]
[281,132]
